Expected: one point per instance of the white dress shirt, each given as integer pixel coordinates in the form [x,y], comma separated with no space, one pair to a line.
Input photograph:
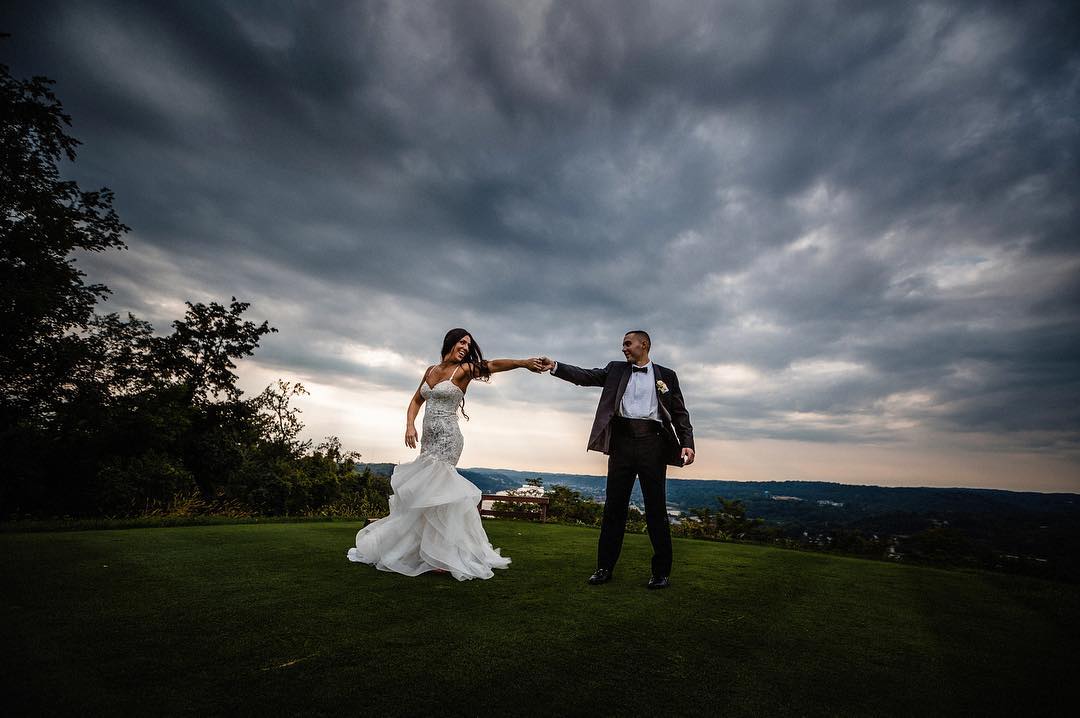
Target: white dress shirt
[639,399]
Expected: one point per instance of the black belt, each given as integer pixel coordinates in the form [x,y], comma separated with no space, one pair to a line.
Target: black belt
[637,427]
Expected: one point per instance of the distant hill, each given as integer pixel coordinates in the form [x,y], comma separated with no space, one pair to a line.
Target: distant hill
[381,469]
[803,496]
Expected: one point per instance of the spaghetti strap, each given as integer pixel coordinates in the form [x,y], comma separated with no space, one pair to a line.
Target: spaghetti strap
[455,372]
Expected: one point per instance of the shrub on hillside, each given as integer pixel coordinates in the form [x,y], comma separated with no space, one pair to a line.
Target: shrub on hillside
[128,486]
[569,506]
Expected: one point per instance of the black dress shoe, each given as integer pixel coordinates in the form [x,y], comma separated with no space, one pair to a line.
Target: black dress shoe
[602,575]
[659,582]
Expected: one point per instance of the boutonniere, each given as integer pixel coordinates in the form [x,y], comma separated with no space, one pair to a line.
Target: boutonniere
[661,386]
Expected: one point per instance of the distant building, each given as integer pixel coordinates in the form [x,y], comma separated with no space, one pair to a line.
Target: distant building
[826,502]
[785,498]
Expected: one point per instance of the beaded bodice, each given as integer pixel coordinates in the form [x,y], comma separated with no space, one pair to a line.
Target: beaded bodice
[441,438]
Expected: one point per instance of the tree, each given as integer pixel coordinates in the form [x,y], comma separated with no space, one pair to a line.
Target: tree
[728,522]
[200,350]
[43,220]
[731,521]
[282,425]
[698,524]
[940,543]
[121,358]
[570,506]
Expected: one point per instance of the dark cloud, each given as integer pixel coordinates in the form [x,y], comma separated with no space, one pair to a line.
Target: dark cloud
[863,212]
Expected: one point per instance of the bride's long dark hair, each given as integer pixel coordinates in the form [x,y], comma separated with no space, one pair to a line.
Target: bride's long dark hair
[474,358]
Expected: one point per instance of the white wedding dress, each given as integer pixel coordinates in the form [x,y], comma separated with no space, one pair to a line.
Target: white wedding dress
[433,523]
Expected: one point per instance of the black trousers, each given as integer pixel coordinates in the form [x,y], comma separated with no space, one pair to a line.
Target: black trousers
[636,452]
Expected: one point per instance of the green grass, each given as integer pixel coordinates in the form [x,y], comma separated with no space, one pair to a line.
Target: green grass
[272,619]
[145,522]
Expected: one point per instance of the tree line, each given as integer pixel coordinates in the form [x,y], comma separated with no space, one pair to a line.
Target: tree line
[99,414]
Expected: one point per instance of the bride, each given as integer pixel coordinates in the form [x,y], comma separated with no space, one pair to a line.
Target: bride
[434,524]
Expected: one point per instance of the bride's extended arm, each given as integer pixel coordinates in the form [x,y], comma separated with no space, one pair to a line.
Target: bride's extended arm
[497,365]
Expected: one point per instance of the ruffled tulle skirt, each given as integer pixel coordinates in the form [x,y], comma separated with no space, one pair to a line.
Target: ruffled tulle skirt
[433,524]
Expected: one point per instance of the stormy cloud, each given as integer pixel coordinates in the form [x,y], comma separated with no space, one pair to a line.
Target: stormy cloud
[841,222]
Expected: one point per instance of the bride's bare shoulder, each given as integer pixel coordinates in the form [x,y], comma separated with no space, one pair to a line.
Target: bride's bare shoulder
[427,373]
[470,371]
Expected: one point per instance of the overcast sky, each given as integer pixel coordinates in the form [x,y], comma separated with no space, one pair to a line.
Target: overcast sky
[851,228]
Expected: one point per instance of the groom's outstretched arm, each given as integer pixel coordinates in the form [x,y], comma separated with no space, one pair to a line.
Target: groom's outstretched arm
[581,377]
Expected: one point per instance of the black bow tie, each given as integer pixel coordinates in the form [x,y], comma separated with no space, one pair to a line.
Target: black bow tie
[642,369]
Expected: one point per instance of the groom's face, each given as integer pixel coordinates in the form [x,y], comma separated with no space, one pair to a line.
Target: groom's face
[634,349]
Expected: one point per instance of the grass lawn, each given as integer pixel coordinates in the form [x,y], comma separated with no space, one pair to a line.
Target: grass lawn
[272,619]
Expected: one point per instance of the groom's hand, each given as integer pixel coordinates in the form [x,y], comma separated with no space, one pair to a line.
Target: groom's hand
[546,364]
[687,456]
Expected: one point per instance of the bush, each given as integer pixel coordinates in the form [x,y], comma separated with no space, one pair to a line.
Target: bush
[569,506]
[130,486]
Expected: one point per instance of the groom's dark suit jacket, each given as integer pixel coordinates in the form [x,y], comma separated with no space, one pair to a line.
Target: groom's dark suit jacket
[677,431]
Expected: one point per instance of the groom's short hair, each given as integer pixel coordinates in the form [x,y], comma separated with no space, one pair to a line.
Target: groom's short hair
[644,335]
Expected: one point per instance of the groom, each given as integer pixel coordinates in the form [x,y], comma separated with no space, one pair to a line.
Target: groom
[642,425]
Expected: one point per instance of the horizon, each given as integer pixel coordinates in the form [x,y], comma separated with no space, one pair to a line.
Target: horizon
[541,474]
[859,255]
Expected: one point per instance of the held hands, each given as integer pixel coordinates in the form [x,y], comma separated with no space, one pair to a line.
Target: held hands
[537,365]
[687,456]
[410,437]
